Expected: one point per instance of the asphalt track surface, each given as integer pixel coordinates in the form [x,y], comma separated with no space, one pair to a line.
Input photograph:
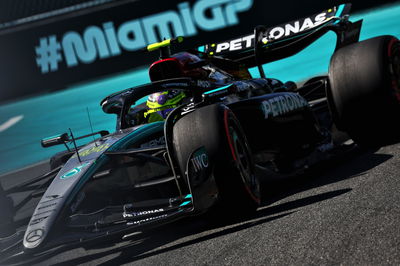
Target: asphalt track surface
[344,212]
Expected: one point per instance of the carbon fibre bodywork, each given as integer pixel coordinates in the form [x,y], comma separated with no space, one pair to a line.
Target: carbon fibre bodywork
[117,168]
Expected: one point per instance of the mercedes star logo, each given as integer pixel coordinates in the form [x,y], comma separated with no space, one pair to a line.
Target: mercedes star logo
[34,235]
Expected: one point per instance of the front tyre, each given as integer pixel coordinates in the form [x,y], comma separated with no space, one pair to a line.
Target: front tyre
[216,128]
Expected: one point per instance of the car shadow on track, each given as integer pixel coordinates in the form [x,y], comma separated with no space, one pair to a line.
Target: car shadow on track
[353,164]
[198,229]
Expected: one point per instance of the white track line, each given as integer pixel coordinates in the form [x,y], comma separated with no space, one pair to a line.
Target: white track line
[12,121]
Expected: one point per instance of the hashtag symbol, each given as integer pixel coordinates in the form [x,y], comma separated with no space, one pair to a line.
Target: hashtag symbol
[48,54]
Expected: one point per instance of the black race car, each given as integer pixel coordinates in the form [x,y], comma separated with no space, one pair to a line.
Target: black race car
[204,153]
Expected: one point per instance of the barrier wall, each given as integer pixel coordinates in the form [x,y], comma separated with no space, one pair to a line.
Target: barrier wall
[56,52]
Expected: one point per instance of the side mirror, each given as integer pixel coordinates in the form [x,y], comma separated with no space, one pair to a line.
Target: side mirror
[111,107]
[55,140]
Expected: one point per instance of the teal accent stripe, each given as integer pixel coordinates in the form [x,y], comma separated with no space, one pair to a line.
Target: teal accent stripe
[218,89]
[185,203]
[201,49]
[188,196]
[340,10]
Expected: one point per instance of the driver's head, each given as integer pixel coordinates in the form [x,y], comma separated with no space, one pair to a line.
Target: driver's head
[160,104]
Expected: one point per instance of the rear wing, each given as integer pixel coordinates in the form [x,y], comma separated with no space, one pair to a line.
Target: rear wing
[267,44]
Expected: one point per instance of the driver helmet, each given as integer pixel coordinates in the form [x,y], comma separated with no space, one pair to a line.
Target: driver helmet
[160,104]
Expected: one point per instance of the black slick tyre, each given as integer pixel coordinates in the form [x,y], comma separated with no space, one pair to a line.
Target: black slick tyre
[365,90]
[216,128]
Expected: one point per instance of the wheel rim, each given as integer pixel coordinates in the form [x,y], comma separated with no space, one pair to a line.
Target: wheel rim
[242,156]
[243,160]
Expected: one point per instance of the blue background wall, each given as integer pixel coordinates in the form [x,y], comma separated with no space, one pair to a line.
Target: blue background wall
[55,112]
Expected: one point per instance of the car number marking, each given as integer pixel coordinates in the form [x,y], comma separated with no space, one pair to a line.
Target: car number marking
[73,171]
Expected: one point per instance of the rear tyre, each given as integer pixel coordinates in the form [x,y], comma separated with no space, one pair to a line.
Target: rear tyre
[216,128]
[365,90]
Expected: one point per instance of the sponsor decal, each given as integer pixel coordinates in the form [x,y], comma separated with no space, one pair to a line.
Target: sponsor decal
[148,219]
[200,160]
[99,42]
[189,108]
[142,213]
[237,44]
[175,84]
[93,149]
[241,86]
[204,84]
[198,167]
[74,171]
[154,142]
[295,27]
[272,34]
[34,235]
[282,104]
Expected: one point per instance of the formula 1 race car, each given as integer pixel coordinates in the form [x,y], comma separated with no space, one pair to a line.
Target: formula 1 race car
[202,153]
